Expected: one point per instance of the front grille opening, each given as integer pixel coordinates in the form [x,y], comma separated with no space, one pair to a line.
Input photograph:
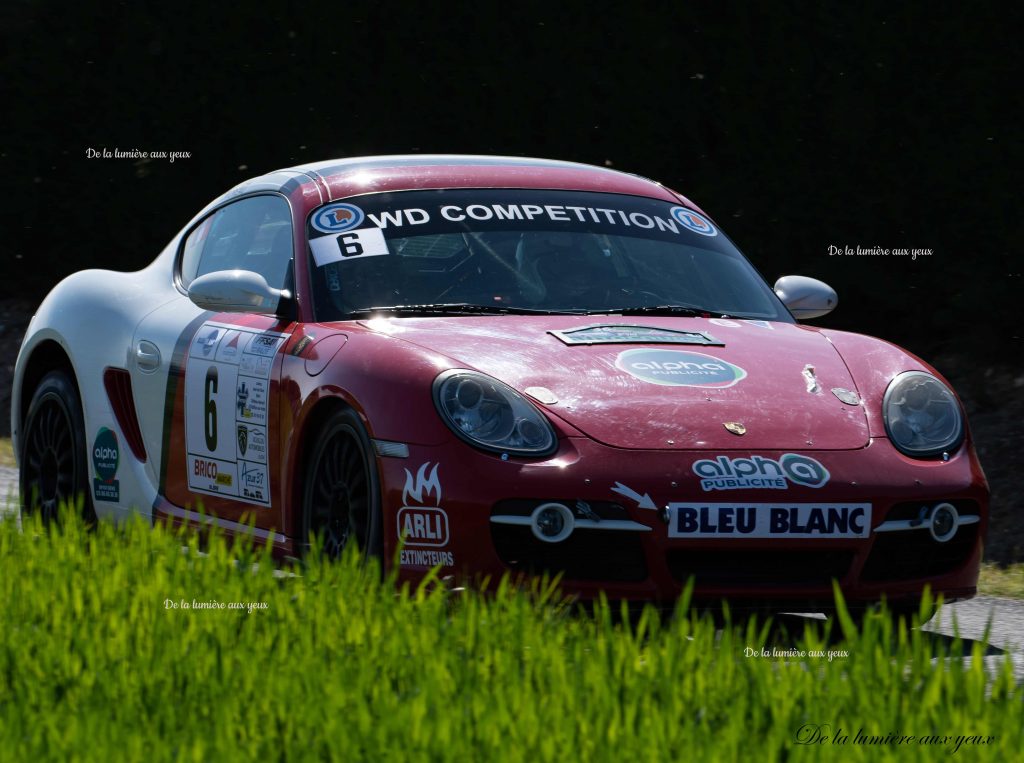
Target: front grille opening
[599,555]
[916,554]
[912,509]
[759,567]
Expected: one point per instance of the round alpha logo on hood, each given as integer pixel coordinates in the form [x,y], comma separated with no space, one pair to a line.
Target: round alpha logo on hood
[678,368]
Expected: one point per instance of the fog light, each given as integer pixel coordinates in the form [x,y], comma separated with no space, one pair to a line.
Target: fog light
[944,522]
[552,522]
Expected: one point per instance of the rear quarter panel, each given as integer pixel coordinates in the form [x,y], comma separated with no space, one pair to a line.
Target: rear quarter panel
[92,315]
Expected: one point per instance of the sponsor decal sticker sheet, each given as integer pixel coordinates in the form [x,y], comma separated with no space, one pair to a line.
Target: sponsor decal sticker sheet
[227,385]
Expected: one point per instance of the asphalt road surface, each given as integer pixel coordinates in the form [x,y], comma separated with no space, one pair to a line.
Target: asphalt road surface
[8,487]
[970,617]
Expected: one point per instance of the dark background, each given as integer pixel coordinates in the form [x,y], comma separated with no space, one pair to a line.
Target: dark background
[795,127]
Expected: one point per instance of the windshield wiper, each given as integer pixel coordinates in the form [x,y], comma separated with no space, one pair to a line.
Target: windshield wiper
[655,310]
[455,308]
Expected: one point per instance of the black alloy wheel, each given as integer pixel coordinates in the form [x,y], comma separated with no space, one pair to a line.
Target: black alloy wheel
[54,462]
[341,499]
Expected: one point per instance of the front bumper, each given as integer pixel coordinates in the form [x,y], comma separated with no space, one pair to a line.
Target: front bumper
[460,520]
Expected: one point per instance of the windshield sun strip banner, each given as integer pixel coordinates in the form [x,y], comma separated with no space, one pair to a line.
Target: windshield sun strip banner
[411,213]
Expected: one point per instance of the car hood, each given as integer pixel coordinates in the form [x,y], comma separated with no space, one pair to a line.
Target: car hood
[773,382]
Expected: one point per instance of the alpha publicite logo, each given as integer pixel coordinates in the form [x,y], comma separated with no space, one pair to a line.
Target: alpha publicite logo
[106,457]
[679,368]
[724,473]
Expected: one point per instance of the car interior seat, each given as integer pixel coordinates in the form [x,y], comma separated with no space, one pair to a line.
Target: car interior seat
[562,267]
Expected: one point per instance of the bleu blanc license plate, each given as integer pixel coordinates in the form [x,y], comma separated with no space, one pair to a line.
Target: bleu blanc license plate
[769,520]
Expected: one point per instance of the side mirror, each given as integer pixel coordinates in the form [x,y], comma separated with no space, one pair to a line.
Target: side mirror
[806,297]
[236,291]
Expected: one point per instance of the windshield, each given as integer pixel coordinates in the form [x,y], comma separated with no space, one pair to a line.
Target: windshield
[507,250]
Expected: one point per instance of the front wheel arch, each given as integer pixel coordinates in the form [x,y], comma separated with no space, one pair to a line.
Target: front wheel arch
[339,475]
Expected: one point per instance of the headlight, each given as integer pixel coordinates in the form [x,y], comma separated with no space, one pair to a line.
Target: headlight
[491,415]
[921,415]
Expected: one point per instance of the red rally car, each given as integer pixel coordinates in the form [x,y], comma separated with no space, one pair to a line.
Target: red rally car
[516,366]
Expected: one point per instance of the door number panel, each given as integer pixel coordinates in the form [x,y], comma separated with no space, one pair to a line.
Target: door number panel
[227,389]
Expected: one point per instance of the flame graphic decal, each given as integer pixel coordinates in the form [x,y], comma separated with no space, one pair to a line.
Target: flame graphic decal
[419,489]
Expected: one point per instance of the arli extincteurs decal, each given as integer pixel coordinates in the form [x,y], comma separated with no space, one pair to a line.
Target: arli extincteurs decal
[422,523]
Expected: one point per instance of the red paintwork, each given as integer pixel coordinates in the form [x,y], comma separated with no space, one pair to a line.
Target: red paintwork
[611,426]
[586,470]
[358,182]
[322,351]
[619,410]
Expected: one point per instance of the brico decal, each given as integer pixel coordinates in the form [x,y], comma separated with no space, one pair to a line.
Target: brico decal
[227,393]
[421,521]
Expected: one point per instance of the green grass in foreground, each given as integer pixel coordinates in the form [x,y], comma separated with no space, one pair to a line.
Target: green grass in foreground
[996,580]
[96,664]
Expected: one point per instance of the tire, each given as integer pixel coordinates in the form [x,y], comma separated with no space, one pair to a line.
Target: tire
[54,460]
[341,493]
